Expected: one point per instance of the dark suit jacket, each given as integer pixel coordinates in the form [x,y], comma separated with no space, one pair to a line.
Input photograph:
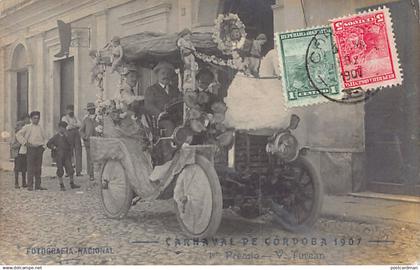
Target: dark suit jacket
[156,98]
[60,144]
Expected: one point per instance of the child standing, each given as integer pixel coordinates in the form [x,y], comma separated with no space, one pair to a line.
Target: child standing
[61,147]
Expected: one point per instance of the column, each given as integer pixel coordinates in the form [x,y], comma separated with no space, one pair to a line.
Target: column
[40,70]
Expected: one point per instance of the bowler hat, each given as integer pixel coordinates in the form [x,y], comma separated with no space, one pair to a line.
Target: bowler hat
[90,106]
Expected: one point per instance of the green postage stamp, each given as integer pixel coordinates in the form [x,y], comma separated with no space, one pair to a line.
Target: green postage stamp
[308,66]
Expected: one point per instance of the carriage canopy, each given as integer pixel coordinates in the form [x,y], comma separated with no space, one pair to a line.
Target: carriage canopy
[148,48]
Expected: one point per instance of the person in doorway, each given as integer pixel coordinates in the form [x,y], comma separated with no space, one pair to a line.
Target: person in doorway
[19,154]
[32,137]
[60,144]
[73,126]
[87,130]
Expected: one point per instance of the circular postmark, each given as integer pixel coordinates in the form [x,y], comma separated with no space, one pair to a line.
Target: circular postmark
[319,74]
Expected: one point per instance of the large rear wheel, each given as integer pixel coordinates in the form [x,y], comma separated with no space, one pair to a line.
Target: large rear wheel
[198,199]
[298,203]
[115,190]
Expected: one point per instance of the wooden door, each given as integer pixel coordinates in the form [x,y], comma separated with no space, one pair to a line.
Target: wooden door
[66,84]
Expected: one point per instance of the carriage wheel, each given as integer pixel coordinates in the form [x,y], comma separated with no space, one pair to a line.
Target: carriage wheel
[298,206]
[115,190]
[198,199]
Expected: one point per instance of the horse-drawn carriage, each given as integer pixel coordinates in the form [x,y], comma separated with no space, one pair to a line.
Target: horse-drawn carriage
[254,174]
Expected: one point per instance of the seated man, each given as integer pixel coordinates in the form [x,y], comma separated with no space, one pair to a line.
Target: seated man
[161,94]
[156,99]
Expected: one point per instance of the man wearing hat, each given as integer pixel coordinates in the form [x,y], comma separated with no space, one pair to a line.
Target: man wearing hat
[162,93]
[87,130]
[33,138]
[158,96]
[129,85]
[73,125]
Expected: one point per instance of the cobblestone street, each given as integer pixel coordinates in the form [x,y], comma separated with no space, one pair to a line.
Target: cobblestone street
[32,224]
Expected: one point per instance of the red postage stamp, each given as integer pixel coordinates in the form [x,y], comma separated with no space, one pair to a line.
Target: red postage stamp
[366,50]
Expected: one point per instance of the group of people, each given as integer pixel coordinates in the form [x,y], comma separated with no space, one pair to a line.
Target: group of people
[30,143]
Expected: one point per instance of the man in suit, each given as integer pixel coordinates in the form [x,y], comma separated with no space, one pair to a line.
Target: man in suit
[161,93]
[158,97]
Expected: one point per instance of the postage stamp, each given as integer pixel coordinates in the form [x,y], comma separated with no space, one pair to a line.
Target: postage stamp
[296,64]
[366,50]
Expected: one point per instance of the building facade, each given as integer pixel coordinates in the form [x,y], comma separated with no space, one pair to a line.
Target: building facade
[31,78]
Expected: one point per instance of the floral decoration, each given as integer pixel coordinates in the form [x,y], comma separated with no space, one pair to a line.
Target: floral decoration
[229,33]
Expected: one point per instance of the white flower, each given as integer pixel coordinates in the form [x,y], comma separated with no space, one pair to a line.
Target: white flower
[99,129]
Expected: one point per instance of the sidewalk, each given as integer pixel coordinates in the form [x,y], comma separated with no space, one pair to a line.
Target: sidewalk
[370,210]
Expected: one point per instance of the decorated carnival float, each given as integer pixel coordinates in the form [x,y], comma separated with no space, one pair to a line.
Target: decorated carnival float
[141,159]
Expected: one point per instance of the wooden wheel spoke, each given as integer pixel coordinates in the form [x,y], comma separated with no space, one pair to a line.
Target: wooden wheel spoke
[303,201]
[303,195]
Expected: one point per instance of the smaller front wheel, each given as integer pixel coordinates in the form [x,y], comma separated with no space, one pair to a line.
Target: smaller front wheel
[198,199]
[115,190]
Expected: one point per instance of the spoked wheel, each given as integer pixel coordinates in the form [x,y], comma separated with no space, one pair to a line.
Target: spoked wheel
[198,199]
[298,204]
[115,190]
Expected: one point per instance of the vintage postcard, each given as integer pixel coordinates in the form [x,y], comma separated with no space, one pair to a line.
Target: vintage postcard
[207,132]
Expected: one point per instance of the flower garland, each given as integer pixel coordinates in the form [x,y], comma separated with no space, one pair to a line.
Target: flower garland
[229,33]
[215,60]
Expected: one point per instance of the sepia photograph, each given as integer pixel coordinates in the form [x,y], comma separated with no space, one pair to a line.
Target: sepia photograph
[209,132]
